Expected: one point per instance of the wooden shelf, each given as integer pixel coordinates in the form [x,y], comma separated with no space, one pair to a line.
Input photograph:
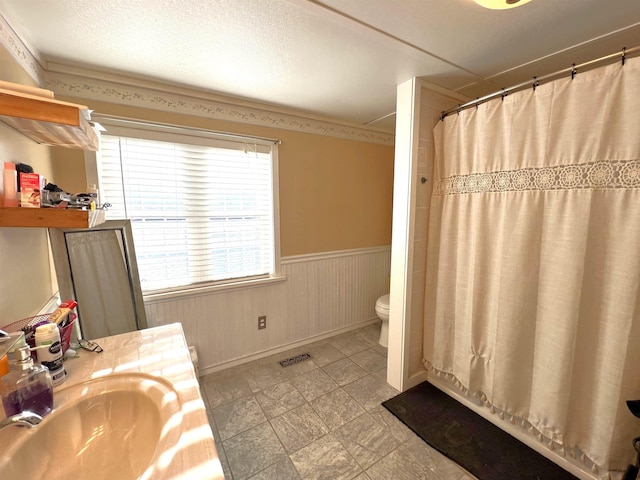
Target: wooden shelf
[46,120]
[49,217]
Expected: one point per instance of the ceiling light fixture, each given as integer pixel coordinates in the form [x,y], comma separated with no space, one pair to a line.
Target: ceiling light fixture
[501,4]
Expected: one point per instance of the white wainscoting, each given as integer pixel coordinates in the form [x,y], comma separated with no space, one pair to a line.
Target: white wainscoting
[323,294]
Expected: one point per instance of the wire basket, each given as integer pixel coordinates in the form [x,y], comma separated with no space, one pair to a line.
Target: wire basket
[28,327]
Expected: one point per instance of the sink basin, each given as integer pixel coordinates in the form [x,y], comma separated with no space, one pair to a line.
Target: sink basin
[115,427]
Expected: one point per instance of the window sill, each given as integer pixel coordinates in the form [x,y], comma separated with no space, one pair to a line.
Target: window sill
[187,292]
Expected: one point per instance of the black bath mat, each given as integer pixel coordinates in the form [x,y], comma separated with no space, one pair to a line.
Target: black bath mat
[476,444]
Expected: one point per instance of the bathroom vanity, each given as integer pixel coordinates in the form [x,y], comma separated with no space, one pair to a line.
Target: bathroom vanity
[132,411]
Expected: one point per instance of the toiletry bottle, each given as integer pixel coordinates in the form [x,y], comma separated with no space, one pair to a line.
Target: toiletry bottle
[14,360]
[2,188]
[48,335]
[92,190]
[4,365]
[60,314]
[28,387]
[9,180]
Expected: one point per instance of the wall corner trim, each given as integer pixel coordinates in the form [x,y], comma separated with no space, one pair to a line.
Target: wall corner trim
[26,57]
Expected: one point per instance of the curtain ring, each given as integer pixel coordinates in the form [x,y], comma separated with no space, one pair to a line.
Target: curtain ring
[535,83]
[624,55]
[573,71]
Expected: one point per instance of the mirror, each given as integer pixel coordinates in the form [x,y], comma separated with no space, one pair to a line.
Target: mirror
[97,268]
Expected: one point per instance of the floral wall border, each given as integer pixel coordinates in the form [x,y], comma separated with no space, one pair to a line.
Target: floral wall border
[20,52]
[160,99]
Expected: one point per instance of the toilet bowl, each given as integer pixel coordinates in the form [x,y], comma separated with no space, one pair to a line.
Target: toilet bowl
[382,310]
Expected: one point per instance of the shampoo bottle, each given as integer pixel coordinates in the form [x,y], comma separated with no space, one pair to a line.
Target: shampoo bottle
[10,184]
[48,336]
[92,190]
[27,387]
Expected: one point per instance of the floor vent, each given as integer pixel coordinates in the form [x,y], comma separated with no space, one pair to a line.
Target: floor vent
[294,360]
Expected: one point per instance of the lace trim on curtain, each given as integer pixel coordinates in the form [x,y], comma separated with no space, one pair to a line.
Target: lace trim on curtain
[595,175]
[551,440]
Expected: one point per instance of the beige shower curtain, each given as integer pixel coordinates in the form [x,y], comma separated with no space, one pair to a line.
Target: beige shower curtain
[101,283]
[533,265]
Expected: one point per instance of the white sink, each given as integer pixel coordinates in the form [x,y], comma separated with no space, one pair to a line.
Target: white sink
[115,427]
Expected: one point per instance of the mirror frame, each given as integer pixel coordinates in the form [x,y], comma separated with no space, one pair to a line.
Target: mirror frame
[64,274]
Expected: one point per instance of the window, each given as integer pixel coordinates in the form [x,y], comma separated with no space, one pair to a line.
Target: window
[201,205]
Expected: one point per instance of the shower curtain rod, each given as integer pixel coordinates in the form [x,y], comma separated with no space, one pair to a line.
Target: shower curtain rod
[573,70]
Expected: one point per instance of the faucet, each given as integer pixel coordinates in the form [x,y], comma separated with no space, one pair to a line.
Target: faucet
[23,419]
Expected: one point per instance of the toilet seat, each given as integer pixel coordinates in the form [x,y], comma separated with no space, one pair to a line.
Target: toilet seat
[382,310]
[382,305]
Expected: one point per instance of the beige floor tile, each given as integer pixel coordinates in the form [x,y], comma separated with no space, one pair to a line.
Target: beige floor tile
[369,360]
[370,391]
[236,417]
[327,413]
[252,451]
[366,439]
[299,427]
[336,408]
[314,384]
[279,399]
[344,371]
[325,459]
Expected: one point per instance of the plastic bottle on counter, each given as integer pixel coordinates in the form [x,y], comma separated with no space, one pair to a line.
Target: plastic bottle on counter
[4,365]
[28,387]
[92,190]
[48,335]
[9,182]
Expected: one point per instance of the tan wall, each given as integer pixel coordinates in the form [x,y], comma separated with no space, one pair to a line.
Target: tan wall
[25,275]
[335,194]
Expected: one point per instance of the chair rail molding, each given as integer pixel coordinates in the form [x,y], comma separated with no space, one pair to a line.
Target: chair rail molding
[323,295]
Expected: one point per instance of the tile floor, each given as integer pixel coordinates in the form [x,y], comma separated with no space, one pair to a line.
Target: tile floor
[317,419]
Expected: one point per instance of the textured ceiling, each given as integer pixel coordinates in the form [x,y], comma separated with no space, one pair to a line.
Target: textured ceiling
[340,59]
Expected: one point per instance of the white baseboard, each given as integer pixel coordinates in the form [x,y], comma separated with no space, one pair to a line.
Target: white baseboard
[282,348]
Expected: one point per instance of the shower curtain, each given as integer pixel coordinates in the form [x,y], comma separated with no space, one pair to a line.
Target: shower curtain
[533,262]
[101,283]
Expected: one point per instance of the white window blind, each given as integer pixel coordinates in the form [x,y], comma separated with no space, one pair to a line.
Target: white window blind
[201,209]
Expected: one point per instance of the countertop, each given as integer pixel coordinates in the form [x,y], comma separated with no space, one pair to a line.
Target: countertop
[160,352]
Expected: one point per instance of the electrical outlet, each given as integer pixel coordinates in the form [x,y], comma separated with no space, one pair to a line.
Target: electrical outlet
[262,322]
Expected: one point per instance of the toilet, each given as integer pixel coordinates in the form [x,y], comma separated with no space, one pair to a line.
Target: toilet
[382,310]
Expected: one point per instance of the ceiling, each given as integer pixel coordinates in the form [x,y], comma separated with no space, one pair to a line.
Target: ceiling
[340,59]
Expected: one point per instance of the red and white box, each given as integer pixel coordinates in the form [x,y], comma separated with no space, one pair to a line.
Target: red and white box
[30,189]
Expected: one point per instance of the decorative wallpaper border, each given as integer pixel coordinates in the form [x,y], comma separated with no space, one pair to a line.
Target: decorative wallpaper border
[158,98]
[16,47]
[612,174]
[155,99]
